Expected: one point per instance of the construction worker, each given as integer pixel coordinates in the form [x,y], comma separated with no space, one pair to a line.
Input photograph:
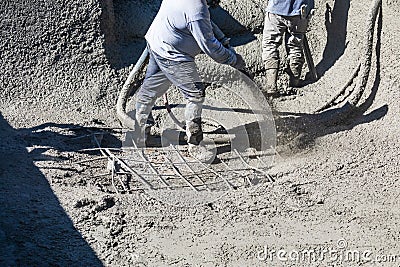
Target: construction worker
[284,19]
[179,32]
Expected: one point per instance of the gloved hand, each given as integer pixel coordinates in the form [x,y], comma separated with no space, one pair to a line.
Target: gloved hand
[240,64]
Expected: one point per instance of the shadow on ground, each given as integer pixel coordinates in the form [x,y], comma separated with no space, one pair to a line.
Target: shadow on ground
[336,18]
[232,28]
[34,228]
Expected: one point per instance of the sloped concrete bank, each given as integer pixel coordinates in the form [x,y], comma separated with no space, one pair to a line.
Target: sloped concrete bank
[63,63]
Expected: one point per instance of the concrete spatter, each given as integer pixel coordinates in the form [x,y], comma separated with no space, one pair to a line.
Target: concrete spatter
[345,185]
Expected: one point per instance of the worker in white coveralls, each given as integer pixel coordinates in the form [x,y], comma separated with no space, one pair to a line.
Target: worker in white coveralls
[284,19]
[179,32]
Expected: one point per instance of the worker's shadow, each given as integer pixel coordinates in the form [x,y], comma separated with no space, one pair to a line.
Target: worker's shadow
[336,18]
[35,230]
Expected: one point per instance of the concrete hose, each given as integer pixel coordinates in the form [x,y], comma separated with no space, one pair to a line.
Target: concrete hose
[126,90]
[367,56]
[363,69]
[332,102]
[129,85]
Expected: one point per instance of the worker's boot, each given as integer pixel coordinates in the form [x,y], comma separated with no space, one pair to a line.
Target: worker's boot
[194,133]
[271,86]
[294,75]
[196,148]
[144,123]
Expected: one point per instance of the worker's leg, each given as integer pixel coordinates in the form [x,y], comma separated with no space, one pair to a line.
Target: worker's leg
[273,32]
[193,112]
[294,45]
[193,91]
[272,39]
[154,85]
[184,75]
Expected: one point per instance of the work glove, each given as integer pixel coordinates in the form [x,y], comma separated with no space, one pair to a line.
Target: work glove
[240,64]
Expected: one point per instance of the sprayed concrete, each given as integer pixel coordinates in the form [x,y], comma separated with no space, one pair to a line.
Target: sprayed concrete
[53,58]
[76,55]
[64,62]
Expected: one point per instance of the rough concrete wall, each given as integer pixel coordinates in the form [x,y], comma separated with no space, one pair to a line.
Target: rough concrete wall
[71,58]
[133,17]
[52,56]
[238,17]
[394,4]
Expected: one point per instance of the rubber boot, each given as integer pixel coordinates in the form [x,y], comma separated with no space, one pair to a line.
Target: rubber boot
[294,75]
[144,122]
[194,132]
[272,77]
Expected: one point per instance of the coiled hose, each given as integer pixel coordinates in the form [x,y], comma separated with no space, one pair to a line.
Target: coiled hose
[362,71]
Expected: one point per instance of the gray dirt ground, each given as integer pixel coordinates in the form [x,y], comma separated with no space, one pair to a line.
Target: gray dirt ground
[62,67]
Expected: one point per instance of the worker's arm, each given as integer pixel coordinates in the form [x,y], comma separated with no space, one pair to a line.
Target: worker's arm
[220,35]
[202,31]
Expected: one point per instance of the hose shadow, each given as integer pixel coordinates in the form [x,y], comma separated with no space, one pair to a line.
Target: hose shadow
[35,230]
[66,138]
[336,19]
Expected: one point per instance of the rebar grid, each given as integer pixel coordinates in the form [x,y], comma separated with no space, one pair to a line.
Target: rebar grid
[175,170]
